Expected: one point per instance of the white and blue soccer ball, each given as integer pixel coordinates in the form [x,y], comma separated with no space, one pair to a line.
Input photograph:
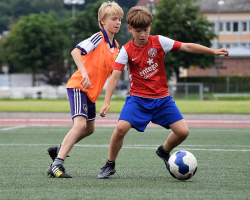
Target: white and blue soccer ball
[182,165]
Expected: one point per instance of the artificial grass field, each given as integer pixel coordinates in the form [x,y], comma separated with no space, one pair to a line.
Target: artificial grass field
[222,155]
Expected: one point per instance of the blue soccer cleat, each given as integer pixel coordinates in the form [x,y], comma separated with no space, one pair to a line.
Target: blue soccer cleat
[163,155]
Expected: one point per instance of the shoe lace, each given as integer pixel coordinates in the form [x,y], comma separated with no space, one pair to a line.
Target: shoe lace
[62,168]
[104,167]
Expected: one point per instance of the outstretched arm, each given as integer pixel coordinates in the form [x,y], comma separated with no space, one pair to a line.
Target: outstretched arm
[113,80]
[196,48]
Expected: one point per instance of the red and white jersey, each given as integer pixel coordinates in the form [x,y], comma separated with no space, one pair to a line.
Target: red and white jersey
[146,66]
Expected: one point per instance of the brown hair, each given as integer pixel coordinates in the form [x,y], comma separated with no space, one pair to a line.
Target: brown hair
[108,8]
[139,17]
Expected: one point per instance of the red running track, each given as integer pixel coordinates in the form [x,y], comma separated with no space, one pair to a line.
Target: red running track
[112,122]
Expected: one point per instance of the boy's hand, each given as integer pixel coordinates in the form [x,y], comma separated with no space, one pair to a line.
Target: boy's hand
[221,52]
[86,80]
[104,109]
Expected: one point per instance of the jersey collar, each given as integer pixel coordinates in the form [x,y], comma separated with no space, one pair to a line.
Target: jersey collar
[107,39]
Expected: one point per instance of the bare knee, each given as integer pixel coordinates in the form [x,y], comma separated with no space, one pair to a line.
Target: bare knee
[81,127]
[120,131]
[91,130]
[184,133]
[88,131]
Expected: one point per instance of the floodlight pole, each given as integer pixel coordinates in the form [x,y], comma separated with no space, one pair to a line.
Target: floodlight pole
[151,6]
[220,3]
[73,3]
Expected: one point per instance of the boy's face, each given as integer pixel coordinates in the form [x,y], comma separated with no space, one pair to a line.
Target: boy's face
[140,35]
[112,23]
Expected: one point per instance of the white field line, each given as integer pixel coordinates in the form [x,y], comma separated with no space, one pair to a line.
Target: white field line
[12,127]
[181,147]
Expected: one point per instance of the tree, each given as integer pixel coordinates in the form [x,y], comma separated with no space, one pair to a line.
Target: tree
[180,20]
[83,28]
[34,43]
[11,10]
[55,74]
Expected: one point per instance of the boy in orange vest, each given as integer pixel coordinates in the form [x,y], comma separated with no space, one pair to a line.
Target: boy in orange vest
[85,85]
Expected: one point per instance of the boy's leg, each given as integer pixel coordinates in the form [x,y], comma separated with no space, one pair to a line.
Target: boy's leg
[53,151]
[179,134]
[57,169]
[116,140]
[88,131]
[116,143]
[72,137]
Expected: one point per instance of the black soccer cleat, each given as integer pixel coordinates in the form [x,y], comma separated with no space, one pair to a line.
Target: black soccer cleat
[163,155]
[57,171]
[53,152]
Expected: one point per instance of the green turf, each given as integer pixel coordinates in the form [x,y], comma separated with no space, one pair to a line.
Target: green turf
[185,106]
[222,154]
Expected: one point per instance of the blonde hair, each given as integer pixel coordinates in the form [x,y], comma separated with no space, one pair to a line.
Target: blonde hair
[109,8]
[139,17]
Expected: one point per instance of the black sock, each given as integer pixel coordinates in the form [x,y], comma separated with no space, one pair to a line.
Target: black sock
[110,163]
[166,152]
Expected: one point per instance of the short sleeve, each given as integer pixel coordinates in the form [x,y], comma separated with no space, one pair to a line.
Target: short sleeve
[121,60]
[169,44]
[90,44]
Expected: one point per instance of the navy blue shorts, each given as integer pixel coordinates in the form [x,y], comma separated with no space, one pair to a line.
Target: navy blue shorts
[80,104]
[140,111]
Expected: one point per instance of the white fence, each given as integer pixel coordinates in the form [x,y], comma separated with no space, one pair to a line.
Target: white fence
[33,92]
[179,90]
[185,90]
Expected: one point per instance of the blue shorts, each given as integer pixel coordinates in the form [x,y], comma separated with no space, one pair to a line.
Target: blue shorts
[140,111]
[80,104]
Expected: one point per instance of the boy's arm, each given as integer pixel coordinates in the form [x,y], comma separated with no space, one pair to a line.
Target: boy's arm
[196,48]
[113,80]
[76,54]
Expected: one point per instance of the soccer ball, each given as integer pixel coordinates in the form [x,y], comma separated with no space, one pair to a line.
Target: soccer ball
[182,165]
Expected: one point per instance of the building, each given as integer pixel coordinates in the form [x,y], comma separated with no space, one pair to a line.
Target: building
[148,4]
[231,21]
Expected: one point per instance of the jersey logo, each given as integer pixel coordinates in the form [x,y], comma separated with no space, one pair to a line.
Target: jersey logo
[152,52]
[150,61]
[152,69]
[133,59]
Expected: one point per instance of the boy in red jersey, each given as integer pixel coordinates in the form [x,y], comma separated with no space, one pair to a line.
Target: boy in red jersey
[85,85]
[149,99]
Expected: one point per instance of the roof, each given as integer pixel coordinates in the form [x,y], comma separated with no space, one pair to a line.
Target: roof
[239,52]
[211,6]
[230,6]
[145,2]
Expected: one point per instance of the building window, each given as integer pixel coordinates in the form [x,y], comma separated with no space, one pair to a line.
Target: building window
[234,45]
[228,26]
[235,27]
[228,46]
[212,27]
[244,27]
[221,26]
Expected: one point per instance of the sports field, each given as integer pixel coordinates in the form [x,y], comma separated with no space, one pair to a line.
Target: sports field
[222,155]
